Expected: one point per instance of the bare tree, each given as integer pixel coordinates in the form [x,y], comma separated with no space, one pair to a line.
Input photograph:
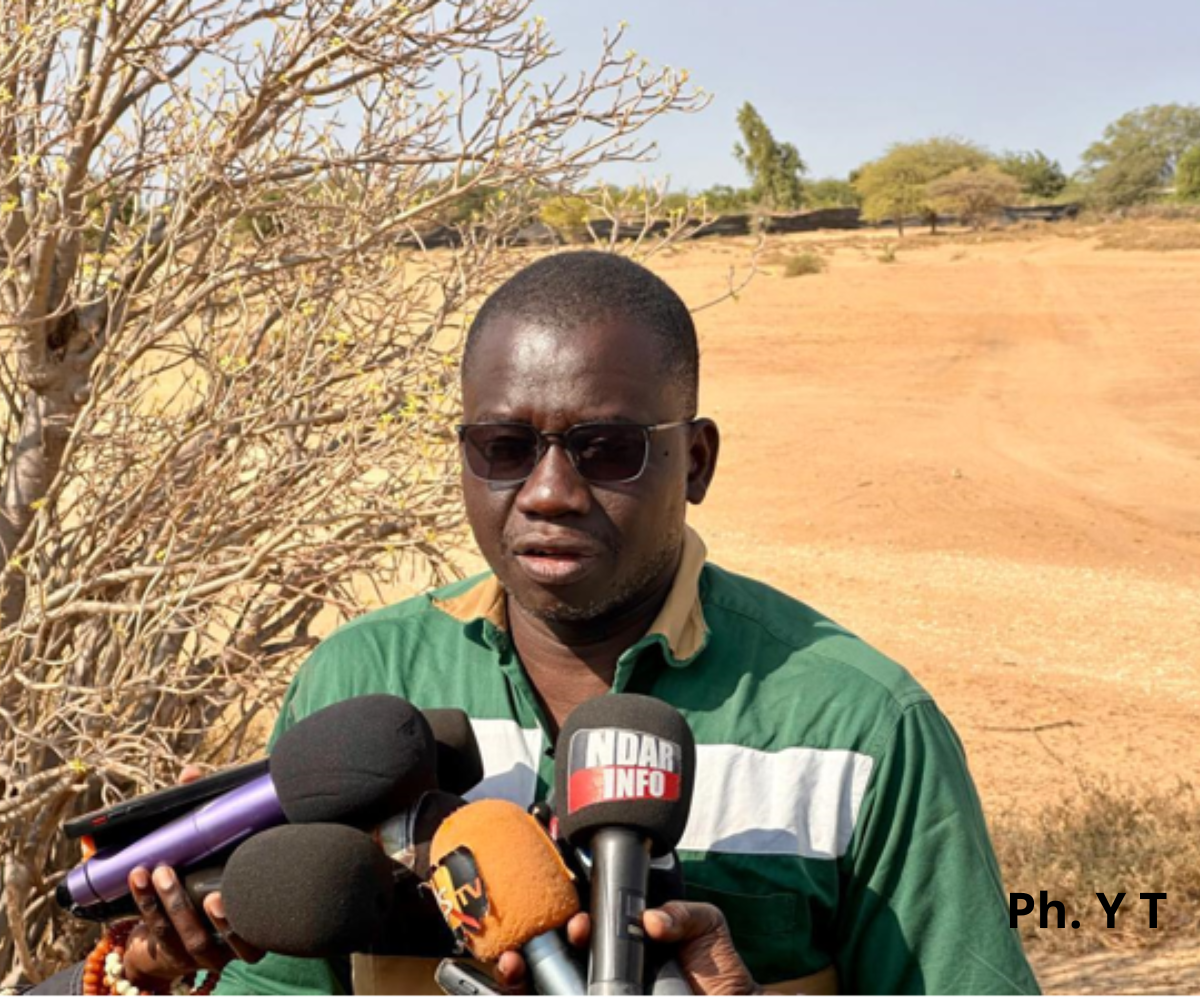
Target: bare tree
[227,368]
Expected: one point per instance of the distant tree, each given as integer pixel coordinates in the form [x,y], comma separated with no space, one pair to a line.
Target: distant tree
[831,192]
[566,213]
[775,168]
[1187,175]
[725,198]
[974,195]
[895,186]
[1160,132]
[1038,175]
[1132,180]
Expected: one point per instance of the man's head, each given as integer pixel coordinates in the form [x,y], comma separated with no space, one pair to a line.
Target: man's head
[573,339]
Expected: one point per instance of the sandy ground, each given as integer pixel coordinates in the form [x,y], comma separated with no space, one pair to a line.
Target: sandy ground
[984,459]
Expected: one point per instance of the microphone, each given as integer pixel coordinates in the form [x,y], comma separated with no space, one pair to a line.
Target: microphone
[501,885]
[357,762]
[322,889]
[459,765]
[198,883]
[626,767]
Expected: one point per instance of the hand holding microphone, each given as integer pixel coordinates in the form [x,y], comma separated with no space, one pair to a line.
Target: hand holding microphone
[502,886]
[327,766]
[626,768]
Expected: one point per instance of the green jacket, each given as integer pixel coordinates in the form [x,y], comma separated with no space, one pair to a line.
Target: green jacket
[834,821]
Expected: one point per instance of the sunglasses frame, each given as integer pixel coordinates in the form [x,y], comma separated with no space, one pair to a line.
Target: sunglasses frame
[545,439]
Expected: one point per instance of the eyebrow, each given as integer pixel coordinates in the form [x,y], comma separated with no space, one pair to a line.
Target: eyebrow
[500,418]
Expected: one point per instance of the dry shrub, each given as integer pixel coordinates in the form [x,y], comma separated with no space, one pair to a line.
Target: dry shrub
[1107,839]
[799,264]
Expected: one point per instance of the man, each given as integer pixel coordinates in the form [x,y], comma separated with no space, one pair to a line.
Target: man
[834,826]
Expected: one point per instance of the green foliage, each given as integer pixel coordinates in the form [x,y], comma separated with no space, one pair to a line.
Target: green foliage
[975,195]
[1187,175]
[1038,175]
[831,192]
[565,212]
[775,168]
[895,185]
[799,264]
[1134,179]
[724,198]
[1160,133]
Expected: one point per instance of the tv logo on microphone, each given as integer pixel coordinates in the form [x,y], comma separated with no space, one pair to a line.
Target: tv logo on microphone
[614,765]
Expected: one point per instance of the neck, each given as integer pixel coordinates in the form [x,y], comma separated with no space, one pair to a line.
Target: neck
[569,663]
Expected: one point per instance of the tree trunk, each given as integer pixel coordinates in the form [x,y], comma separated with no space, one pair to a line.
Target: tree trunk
[57,381]
[36,460]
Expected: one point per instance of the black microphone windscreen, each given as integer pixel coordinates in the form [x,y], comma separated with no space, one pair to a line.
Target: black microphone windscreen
[309,891]
[625,760]
[459,766]
[356,762]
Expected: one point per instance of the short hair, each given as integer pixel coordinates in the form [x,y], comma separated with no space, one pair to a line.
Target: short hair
[578,288]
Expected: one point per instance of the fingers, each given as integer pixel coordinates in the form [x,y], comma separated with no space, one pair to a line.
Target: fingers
[705,949]
[511,971]
[679,921]
[214,908]
[579,930]
[189,774]
[154,953]
[149,906]
[191,928]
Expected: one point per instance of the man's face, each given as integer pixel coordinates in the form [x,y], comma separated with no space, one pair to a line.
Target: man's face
[565,549]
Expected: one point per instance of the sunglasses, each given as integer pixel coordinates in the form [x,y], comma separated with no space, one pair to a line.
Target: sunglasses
[507,454]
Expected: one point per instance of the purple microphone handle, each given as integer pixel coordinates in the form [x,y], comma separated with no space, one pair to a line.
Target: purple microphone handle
[218,824]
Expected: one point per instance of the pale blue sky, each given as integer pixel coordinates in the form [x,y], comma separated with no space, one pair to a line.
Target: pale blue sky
[844,78]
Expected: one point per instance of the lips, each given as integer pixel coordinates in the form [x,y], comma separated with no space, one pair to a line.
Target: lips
[555,562]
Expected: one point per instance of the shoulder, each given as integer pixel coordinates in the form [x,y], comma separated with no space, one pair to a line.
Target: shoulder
[813,681]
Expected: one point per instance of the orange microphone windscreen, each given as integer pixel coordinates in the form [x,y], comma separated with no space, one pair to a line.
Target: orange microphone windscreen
[499,879]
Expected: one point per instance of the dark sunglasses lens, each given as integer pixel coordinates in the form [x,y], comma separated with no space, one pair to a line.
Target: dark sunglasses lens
[500,453]
[608,453]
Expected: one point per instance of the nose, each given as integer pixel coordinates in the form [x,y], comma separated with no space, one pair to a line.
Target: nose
[554,488]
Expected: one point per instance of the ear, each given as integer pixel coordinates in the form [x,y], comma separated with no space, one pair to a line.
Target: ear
[702,458]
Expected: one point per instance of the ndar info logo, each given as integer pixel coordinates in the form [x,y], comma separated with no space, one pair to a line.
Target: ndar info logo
[614,765]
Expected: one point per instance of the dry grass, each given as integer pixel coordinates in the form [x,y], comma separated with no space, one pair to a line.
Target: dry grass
[1161,232]
[800,264]
[1107,839]
[1140,236]
[796,265]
